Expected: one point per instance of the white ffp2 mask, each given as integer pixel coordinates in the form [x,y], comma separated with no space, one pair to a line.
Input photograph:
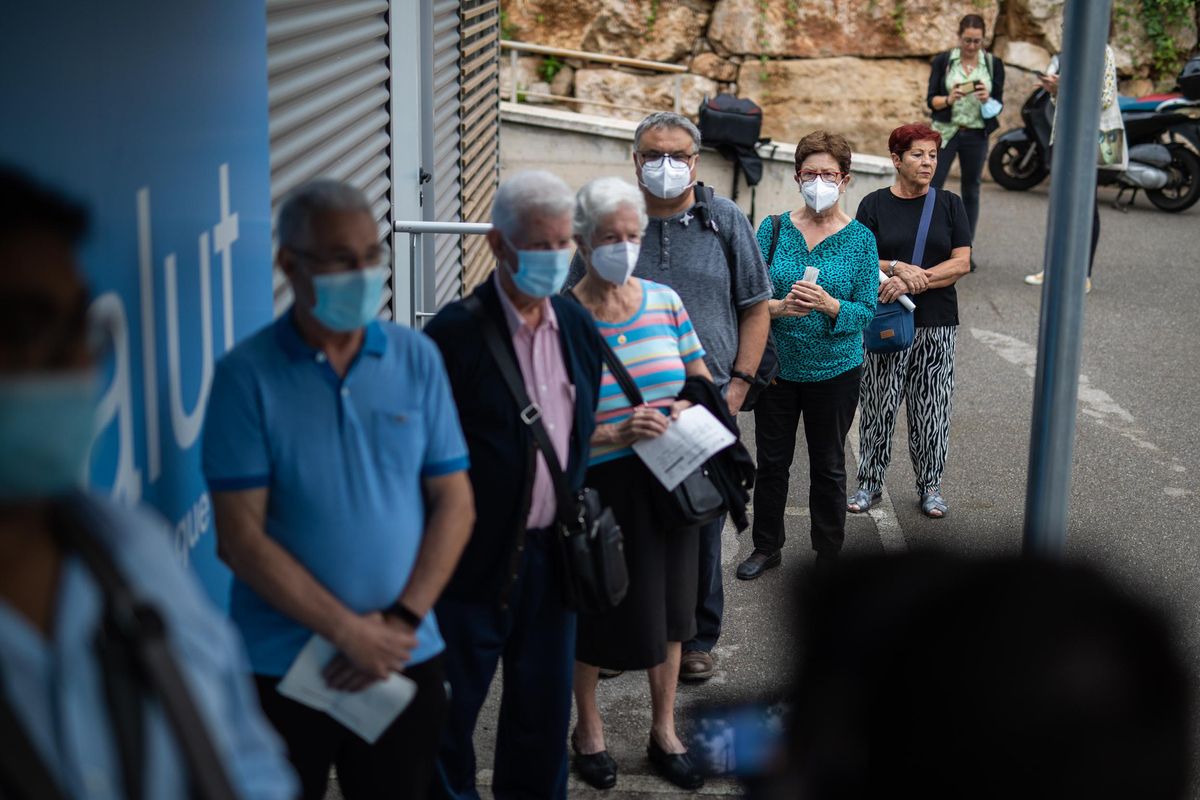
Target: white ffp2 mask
[666,178]
[616,262]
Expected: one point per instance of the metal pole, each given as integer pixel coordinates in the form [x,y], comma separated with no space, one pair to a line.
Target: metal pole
[412,278]
[1069,227]
[512,73]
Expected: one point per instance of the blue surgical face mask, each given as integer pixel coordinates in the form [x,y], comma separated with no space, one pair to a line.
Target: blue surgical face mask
[541,273]
[346,301]
[46,427]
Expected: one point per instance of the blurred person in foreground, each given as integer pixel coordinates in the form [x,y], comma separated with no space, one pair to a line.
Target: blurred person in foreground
[79,716]
[818,329]
[944,678]
[650,332]
[338,477]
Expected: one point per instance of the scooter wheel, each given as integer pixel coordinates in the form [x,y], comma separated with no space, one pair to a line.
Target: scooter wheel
[1008,166]
[1183,189]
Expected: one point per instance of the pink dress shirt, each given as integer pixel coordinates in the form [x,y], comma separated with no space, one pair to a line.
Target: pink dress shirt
[540,357]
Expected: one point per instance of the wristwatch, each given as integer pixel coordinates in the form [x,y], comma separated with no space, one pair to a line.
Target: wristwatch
[892,267]
[748,379]
[404,613]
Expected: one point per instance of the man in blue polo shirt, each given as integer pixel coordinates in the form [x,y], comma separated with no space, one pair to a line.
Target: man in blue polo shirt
[338,474]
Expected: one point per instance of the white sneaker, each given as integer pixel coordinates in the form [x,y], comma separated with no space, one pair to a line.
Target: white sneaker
[1036,278]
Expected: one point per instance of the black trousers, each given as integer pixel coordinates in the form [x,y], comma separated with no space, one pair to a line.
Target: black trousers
[971,147]
[827,410]
[399,764]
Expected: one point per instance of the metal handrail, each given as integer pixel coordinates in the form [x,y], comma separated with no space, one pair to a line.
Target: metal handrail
[417,228]
[600,58]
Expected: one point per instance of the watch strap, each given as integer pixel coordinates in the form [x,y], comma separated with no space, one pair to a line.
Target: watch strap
[403,612]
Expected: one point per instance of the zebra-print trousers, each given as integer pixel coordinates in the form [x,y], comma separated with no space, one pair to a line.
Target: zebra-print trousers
[922,376]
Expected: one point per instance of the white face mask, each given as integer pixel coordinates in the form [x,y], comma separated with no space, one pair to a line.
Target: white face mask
[666,178]
[819,195]
[615,262]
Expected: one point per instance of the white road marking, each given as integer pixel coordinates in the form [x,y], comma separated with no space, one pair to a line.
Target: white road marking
[1095,404]
[887,524]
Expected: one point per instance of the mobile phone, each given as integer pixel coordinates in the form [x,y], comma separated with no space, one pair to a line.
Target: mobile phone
[966,87]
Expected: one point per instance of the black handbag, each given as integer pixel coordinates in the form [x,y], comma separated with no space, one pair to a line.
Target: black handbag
[590,545]
[697,500]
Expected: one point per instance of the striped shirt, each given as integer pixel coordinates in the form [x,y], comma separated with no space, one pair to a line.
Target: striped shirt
[654,344]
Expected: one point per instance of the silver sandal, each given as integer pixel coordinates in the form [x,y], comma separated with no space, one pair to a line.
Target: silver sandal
[862,500]
[933,505]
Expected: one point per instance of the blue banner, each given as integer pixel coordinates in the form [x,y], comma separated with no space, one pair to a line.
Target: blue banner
[154,114]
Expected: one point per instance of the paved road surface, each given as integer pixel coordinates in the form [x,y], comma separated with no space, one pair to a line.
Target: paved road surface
[1135,499]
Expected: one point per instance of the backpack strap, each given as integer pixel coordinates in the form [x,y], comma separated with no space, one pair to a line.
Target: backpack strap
[703,209]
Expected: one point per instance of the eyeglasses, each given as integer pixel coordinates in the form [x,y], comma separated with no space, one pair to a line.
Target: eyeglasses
[345,262]
[974,40]
[653,157]
[807,176]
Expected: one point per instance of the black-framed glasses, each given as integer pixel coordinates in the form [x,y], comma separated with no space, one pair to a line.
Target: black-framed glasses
[828,176]
[654,157]
[345,262]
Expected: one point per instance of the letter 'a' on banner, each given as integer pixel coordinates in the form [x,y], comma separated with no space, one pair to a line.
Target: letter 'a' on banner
[154,114]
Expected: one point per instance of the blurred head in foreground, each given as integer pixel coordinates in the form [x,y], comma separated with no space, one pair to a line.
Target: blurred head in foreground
[948,678]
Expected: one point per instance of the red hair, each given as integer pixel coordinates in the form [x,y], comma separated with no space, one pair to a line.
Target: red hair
[901,140]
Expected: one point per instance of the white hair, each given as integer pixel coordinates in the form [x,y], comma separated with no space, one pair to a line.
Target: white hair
[601,198]
[528,193]
[315,197]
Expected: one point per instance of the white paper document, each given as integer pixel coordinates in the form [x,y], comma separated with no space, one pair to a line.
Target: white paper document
[368,713]
[688,442]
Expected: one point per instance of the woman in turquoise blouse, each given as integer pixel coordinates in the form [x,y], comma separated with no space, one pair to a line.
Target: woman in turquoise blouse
[817,325]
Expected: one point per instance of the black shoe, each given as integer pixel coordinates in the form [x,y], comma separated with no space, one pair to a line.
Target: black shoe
[758,563]
[972,264]
[598,770]
[824,565]
[678,768]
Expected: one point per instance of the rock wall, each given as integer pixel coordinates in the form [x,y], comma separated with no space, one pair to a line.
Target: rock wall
[859,67]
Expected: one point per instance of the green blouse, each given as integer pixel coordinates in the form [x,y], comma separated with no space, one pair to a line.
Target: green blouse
[966,113]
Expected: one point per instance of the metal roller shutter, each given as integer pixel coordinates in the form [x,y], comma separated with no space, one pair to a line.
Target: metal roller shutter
[442,274]
[328,71]
[479,130]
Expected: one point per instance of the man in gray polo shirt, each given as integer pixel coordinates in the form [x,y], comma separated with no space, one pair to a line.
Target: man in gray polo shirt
[680,251]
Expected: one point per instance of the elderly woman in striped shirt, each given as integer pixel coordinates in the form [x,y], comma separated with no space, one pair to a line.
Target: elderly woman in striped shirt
[647,326]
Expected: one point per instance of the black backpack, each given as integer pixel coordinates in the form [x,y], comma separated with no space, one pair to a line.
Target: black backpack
[732,125]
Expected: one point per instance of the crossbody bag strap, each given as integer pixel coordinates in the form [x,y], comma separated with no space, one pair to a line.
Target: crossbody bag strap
[531,412]
[923,227]
[141,629]
[628,386]
[23,773]
[776,224]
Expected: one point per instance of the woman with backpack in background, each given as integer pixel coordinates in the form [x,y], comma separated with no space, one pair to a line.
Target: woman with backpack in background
[966,94]
[817,322]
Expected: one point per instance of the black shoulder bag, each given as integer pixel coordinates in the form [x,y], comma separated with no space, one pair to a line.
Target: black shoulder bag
[591,547]
[768,365]
[696,498]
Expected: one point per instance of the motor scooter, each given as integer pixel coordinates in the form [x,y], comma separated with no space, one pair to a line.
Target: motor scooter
[1162,135]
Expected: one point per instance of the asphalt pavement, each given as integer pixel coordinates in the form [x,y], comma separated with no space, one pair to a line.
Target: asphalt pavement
[1134,500]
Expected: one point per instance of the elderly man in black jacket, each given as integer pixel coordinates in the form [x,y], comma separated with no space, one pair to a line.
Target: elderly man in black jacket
[505,599]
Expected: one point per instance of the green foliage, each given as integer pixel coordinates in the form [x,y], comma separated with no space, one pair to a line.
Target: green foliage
[651,18]
[549,67]
[508,29]
[899,16]
[1161,19]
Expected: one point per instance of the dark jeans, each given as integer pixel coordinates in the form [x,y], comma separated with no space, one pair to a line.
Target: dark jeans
[971,147]
[535,637]
[399,764]
[710,600]
[827,410]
